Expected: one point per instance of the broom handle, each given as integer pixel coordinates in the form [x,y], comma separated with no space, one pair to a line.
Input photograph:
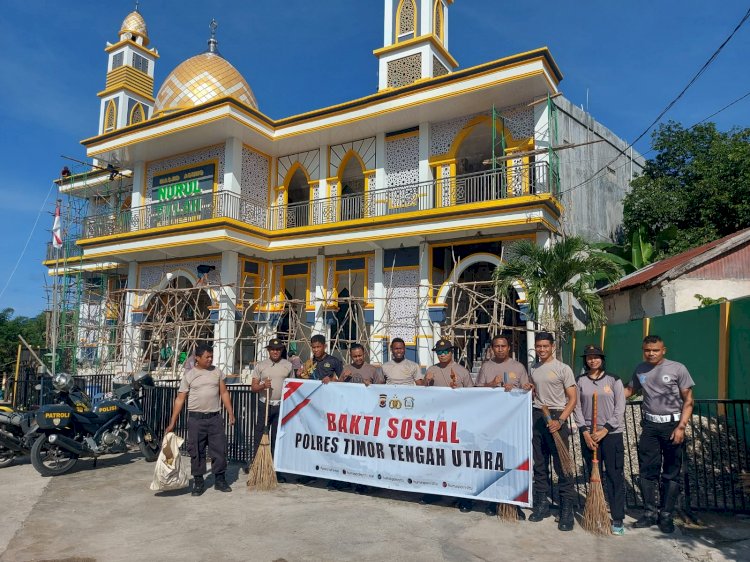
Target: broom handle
[594,413]
[547,416]
[268,402]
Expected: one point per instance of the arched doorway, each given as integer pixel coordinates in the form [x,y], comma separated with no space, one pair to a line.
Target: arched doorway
[298,200]
[177,317]
[474,314]
[352,190]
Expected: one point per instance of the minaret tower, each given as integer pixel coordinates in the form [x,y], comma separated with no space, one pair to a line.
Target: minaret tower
[415,42]
[128,96]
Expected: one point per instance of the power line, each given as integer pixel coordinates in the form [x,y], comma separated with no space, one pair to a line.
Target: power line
[669,106]
[25,246]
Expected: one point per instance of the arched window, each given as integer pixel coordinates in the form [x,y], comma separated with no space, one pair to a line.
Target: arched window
[438,20]
[406,17]
[137,114]
[110,117]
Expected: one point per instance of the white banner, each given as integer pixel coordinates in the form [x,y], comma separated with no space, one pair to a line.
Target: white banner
[466,443]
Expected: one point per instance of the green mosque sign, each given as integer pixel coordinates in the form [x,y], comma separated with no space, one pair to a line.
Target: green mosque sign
[180,194]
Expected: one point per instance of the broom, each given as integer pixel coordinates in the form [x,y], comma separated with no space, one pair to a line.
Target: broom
[507,511]
[566,462]
[595,514]
[262,473]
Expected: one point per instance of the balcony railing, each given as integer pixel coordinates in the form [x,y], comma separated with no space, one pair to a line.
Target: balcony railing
[482,187]
[69,250]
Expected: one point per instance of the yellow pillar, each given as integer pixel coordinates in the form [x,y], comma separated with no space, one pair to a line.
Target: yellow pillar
[723,371]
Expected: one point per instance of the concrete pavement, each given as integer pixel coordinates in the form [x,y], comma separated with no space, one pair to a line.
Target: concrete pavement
[109,514]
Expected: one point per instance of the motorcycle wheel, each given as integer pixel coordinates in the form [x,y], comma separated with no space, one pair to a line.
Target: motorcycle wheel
[149,446]
[6,457]
[49,459]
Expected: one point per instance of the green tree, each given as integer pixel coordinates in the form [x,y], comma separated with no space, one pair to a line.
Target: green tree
[569,266]
[638,252]
[698,184]
[32,329]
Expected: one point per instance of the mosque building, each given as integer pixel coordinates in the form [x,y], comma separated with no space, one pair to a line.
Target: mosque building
[377,208]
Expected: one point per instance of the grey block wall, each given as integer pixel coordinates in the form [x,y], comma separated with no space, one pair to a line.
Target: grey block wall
[593,210]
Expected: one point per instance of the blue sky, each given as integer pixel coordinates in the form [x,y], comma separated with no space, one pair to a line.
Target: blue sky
[299,55]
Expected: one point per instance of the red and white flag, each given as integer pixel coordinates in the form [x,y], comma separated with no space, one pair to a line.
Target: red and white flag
[57,229]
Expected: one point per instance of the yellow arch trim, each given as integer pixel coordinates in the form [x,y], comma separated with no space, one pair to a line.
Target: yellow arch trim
[439,31]
[398,20]
[288,178]
[513,143]
[132,112]
[111,109]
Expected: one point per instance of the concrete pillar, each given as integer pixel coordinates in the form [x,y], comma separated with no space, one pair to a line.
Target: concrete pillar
[424,334]
[425,175]
[131,347]
[137,200]
[321,294]
[530,350]
[378,332]
[226,325]
[424,12]
[233,165]
[323,171]
[388,24]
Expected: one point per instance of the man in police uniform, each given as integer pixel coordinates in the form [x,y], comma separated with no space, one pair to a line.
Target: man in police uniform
[268,378]
[204,389]
[325,367]
[447,372]
[400,370]
[555,388]
[667,389]
[358,371]
[502,370]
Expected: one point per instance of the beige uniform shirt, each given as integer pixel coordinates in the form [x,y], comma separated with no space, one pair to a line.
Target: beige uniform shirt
[550,380]
[277,372]
[442,375]
[366,374]
[515,371]
[405,372]
[202,386]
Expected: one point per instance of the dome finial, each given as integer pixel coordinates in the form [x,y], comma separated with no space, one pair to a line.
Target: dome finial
[212,42]
[136,5]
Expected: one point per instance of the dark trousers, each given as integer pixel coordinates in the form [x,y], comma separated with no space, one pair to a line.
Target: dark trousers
[611,455]
[657,454]
[209,432]
[543,445]
[260,424]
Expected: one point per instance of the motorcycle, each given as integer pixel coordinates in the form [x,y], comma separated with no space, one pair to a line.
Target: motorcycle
[72,432]
[18,430]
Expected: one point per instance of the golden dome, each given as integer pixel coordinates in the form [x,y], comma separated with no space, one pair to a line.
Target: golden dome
[134,23]
[201,79]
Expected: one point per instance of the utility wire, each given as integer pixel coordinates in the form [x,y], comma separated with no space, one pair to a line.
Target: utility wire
[25,246]
[669,106]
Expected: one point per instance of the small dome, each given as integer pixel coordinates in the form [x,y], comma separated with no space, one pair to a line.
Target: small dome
[135,24]
[200,79]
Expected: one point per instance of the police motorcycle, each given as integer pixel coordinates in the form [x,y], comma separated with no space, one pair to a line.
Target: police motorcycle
[17,434]
[18,431]
[71,432]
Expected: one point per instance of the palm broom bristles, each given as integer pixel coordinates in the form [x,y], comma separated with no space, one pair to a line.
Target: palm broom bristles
[262,473]
[507,512]
[596,513]
[566,461]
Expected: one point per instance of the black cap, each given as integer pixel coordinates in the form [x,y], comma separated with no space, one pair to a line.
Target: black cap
[275,343]
[443,345]
[592,350]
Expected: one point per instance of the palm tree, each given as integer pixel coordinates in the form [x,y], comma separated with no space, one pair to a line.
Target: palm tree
[569,266]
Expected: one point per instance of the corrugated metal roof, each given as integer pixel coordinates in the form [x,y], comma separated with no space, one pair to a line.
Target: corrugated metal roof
[655,270]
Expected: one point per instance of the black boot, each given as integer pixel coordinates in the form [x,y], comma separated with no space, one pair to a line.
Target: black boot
[671,493]
[199,486]
[567,519]
[221,484]
[541,508]
[648,489]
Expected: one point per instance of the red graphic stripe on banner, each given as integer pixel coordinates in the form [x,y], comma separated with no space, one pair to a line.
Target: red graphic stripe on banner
[524,465]
[523,496]
[291,388]
[295,411]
